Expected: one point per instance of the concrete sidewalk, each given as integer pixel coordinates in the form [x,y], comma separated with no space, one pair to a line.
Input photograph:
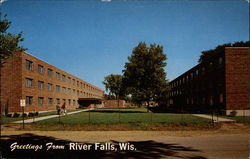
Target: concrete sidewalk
[48,117]
[215,118]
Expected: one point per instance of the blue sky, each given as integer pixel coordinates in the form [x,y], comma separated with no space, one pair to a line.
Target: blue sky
[92,39]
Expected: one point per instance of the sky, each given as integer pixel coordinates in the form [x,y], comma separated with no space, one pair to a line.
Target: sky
[93,38]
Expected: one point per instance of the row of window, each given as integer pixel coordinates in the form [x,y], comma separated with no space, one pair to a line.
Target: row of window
[190,100]
[29,84]
[50,101]
[193,74]
[58,76]
[210,86]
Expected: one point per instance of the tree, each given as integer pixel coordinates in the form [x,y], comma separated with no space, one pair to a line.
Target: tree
[114,85]
[144,74]
[9,43]
[205,55]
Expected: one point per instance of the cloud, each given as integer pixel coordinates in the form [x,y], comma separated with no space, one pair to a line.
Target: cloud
[1,1]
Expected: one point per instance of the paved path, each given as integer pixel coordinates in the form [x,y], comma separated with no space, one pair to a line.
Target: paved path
[219,119]
[48,117]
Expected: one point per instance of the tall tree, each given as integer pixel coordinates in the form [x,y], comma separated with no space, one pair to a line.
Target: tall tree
[9,43]
[206,55]
[144,73]
[114,85]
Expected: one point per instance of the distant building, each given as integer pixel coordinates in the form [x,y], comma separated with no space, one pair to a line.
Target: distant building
[42,85]
[115,103]
[222,83]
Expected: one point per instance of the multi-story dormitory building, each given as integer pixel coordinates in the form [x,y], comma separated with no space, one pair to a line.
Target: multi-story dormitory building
[42,85]
[222,83]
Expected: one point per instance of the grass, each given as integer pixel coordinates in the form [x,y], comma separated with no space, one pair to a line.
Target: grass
[102,119]
[127,119]
[113,118]
[240,119]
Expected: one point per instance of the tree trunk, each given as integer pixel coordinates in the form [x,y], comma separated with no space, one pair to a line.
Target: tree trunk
[147,106]
[118,101]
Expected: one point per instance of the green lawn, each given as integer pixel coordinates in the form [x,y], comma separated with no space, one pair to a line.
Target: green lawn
[128,118]
[240,119]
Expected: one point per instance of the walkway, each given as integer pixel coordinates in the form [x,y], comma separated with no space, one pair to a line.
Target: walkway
[215,118]
[47,117]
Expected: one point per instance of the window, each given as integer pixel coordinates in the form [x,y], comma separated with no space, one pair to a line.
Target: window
[74,91]
[221,98]
[69,102]
[211,64]
[40,100]
[197,72]
[29,65]
[57,100]
[77,92]
[29,82]
[77,83]
[69,80]
[74,102]
[29,100]
[64,89]
[57,75]
[69,90]
[211,102]
[74,81]
[63,78]
[50,101]
[40,69]
[50,87]
[64,101]
[203,100]
[50,72]
[220,60]
[57,88]
[40,84]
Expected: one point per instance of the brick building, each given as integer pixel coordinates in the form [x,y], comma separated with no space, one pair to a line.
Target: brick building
[222,83]
[42,86]
[115,103]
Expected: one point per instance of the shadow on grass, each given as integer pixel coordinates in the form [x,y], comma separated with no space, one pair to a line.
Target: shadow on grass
[145,149]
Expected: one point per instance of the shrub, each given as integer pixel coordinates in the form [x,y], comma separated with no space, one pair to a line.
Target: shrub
[9,115]
[233,113]
[24,114]
[16,115]
[31,114]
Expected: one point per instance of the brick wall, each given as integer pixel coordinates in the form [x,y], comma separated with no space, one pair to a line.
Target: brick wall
[11,84]
[18,89]
[114,103]
[238,79]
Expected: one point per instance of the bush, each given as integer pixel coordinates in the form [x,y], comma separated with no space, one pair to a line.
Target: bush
[16,115]
[31,114]
[24,115]
[9,115]
[36,113]
[233,113]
